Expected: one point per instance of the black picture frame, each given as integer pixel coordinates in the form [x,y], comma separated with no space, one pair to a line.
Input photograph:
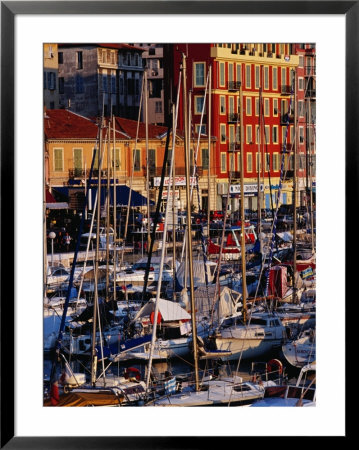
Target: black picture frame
[9,10]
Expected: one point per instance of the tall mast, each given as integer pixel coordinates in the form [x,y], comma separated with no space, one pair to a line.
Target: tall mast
[259,200]
[243,234]
[147,164]
[114,210]
[108,212]
[95,302]
[209,149]
[189,228]
[295,192]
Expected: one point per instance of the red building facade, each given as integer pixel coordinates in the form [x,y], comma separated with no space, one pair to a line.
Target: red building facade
[259,80]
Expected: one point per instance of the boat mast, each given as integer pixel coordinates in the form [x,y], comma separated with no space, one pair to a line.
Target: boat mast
[95,302]
[243,233]
[295,190]
[189,228]
[259,200]
[209,151]
[147,165]
[114,210]
[108,213]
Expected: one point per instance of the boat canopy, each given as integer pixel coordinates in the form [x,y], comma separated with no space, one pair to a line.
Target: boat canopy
[226,305]
[170,311]
[199,275]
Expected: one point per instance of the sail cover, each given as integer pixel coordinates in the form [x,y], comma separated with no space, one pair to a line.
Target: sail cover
[170,311]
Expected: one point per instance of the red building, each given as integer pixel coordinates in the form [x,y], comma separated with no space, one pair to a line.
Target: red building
[262,75]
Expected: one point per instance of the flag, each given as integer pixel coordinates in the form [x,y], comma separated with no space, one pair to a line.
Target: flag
[170,386]
[308,272]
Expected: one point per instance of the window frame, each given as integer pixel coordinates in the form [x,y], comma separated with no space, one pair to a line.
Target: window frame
[55,159]
[195,64]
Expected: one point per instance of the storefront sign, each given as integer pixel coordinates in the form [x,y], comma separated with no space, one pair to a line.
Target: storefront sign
[249,189]
[165,193]
[179,181]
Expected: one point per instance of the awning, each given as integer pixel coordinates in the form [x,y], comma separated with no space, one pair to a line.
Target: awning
[170,311]
[122,195]
[51,202]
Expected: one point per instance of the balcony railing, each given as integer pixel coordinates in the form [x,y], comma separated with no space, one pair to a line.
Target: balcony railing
[233,117]
[234,85]
[285,89]
[234,147]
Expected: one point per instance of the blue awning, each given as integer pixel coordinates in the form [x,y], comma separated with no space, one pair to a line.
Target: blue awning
[122,195]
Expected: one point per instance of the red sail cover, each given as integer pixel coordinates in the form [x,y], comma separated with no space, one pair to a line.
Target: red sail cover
[278,281]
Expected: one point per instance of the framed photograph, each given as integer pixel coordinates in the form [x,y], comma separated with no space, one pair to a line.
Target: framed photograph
[25,27]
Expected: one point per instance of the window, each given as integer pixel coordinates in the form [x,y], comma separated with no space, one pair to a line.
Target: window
[239,72]
[223,162]
[301,61]
[267,134]
[222,104]
[201,128]
[249,162]
[257,106]
[257,77]
[137,162]
[258,161]
[301,135]
[267,162]
[199,70]
[223,133]
[257,134]
[61,85]
[158,108]
[95,155]
[58,159]
[205,158]
[77,155]
[266,77]
[275,78]
[231,105]
[232,166]
[300,84]
[275,162]
[275,107]
[284,134]
[230,72]
[152,160]
[221,74]
[51,81]
[116,160]
[60,56]
[198,104]
[249,106]
[249,134]
[301,108]
[301,161]
[231,133]
[266,107]
[248,76]
[275,134]
[284,77]
[79,60]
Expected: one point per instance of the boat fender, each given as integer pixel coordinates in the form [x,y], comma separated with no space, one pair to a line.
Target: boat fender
[132,372]
[275,365]
[152,317]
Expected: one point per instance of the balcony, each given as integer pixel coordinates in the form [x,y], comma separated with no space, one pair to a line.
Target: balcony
[77,173]
[285,89]
[233,117]
[234,147]
[234,85]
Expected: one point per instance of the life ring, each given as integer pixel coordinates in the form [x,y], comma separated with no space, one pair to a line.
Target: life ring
[132,372]
[152,317]
[275,365]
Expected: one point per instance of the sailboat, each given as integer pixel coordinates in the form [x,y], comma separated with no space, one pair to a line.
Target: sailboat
[301,351]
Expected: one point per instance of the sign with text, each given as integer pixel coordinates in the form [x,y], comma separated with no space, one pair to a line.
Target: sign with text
[248,189]
[179,181]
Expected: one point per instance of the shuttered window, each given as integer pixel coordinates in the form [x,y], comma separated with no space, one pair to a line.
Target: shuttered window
[58,160]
